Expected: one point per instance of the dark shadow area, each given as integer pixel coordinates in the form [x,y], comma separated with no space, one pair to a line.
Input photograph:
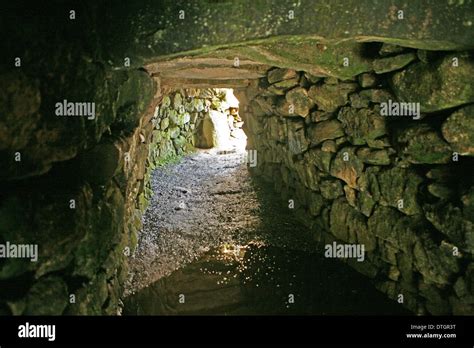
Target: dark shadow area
[280,273]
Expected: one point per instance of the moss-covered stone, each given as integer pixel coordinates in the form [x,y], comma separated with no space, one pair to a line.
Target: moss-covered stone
[315,204]
[366,203]
[368,182]
[346,222]
[450,220]
[331,189]
[385,65]
[156,30]
[347,166]
[440,191]
[277,75]
[422,144]
[389,225]
[437,86]
[19,105]
[377,95]
[48,296]
[367,80]
[108,218]
[435,262]
[281,87]
[319,158]
[362,125]
[100,164]
[388,50]
[89,300]
[376,157]
[330,97]
[325,130]
[299,101]
[297,142]
[458,130]
[400,192]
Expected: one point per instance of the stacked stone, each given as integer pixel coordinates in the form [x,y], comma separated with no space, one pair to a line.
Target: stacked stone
[83,213]
[174,124]
[235,122]
[401,186]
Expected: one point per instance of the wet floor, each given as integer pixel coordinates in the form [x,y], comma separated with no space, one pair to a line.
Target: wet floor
[216,242]
[261,280]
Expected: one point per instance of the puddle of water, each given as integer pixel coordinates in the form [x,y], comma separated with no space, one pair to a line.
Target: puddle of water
[256,279]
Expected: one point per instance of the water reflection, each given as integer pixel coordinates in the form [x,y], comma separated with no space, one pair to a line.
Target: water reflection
[257,279]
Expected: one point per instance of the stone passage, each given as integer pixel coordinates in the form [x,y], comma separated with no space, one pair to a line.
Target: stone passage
[201,202]
[216,242]
[359,113]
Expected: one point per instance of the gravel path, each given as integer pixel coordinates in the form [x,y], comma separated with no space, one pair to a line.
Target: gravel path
[202,202]
[207,204]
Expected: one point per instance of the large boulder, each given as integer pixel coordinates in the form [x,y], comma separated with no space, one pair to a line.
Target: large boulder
[215,131]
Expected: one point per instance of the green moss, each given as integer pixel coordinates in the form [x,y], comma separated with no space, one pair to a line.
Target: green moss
[343,60]
[168,160]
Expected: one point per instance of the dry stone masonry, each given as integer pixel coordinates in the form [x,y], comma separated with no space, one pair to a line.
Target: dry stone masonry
[361,113]
[399,183]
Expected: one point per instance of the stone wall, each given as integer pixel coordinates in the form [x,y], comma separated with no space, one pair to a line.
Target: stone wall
[72,190]
[401,186]
[76,186]
[85,212]
[189,118]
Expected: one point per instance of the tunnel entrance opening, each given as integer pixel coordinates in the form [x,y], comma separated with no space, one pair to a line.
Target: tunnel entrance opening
[197,161]
[326,150]
[216,241]
[76,183]
[221,128]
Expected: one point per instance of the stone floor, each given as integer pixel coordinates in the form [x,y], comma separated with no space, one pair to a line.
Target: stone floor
[229,245]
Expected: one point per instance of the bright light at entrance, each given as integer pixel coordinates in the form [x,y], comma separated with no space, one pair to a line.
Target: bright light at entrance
[222,126]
